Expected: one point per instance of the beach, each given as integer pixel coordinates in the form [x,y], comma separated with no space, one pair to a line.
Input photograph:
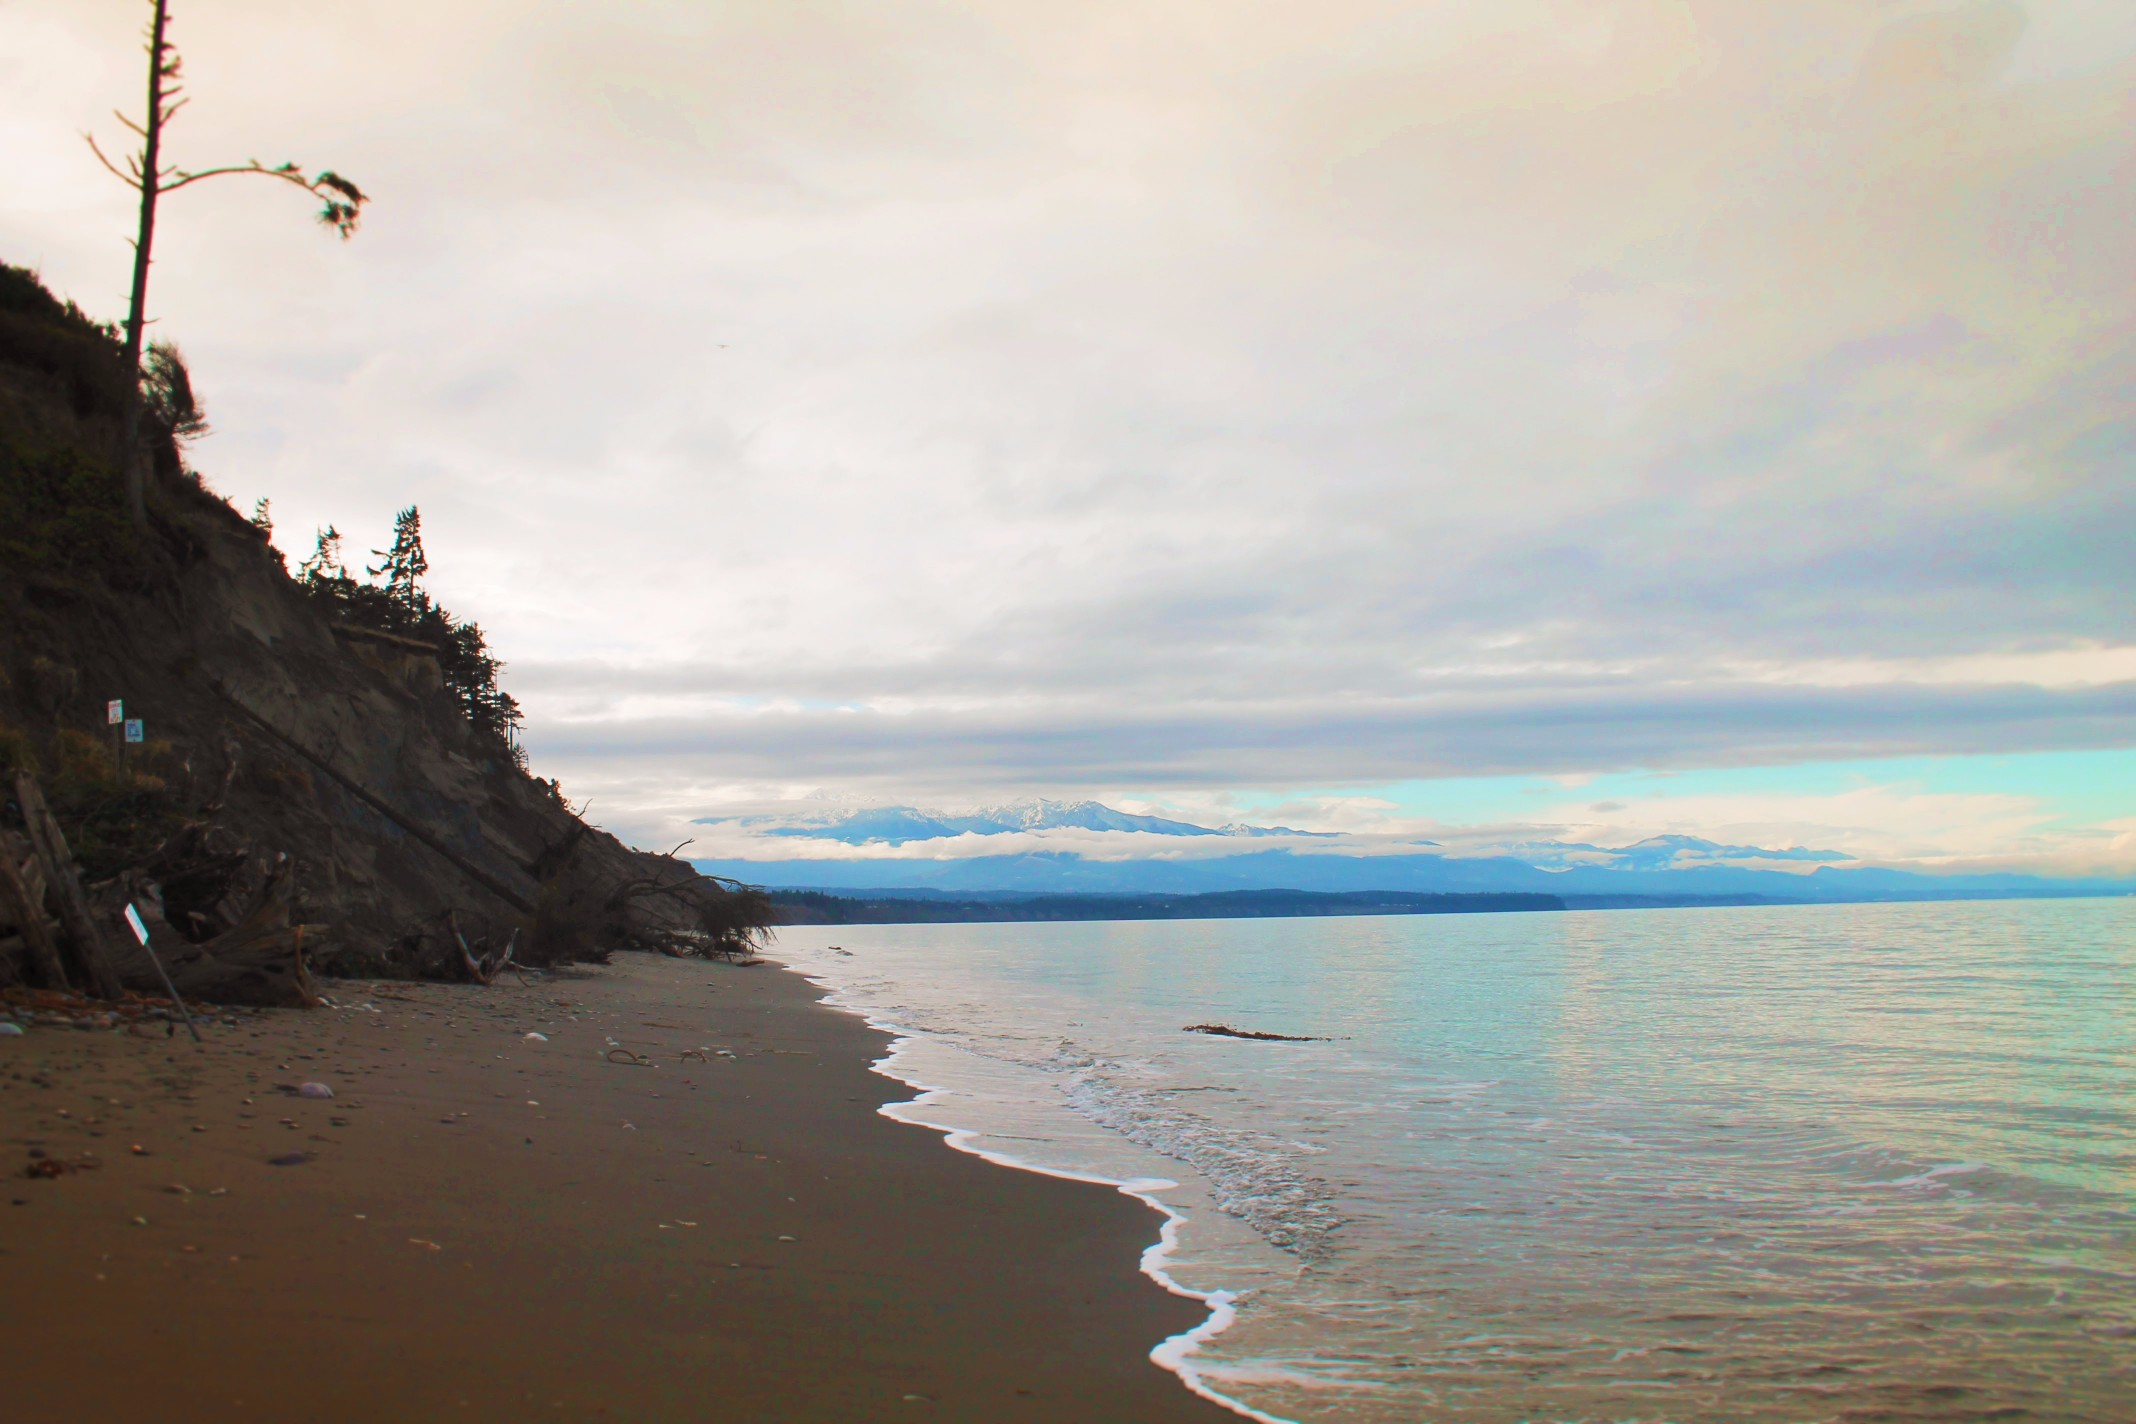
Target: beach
[680,1202]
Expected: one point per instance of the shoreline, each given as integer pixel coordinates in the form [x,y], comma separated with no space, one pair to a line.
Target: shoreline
[1173,1353]
[488,1225]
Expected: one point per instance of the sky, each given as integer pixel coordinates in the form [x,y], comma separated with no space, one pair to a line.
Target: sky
[1522,418]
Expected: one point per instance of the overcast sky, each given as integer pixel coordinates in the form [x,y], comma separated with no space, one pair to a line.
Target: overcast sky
[1344,407]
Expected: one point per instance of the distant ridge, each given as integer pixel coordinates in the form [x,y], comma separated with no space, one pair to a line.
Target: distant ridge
[1664,870]
[808,907]
[901,825]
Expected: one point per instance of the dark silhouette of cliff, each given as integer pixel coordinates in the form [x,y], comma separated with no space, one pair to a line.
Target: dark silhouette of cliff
[298,756]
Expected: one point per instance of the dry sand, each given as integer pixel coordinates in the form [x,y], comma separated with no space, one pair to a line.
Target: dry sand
[491,1227]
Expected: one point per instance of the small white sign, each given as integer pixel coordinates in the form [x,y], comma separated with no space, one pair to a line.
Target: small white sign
[133,918]
[133,730]
[114,711]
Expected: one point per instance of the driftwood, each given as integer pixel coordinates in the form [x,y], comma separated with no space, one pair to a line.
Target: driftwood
[23,902]
[483,970]
[63,888]
[1226,1031]
[207,881]
[260,961]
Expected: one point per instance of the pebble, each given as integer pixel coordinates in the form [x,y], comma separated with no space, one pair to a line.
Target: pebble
[10,1030]
[315,1090]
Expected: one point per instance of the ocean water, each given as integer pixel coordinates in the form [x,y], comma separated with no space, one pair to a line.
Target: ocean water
[1846,1163]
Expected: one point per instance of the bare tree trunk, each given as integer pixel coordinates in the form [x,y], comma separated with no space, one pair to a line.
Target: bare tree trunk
[18,899]
[65,888]
[134,459]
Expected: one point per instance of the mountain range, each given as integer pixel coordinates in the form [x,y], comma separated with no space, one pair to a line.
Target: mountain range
[1674,869]
[899,825]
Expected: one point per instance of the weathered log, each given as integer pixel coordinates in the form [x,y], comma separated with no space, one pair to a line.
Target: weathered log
[63,888]
[1227,1031]
[259,962]
[477,970]
[25,907]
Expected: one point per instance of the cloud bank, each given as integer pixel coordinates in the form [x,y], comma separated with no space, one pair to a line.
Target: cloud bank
[934,402]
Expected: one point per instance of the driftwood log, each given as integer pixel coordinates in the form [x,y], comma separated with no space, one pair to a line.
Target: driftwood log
[485,968]
[1227,1031]
[22,903]
[63,888]
[260,961]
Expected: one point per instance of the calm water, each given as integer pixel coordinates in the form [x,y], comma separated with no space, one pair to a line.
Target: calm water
[1831,1163]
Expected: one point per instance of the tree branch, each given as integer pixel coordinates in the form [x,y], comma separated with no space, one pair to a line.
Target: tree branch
[109,165]
[285,174]
[343,201]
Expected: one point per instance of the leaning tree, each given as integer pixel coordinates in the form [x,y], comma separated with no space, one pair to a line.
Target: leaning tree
[146,172]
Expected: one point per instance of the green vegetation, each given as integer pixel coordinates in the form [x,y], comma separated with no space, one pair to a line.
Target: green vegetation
[115,817]
[399,606]
[63,392]
[63,399]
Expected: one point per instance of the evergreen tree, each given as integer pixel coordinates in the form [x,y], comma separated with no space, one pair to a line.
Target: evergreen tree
[324,566]
[405,563]
[393,601]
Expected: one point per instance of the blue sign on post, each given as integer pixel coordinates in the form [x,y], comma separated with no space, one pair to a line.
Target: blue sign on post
[133,730]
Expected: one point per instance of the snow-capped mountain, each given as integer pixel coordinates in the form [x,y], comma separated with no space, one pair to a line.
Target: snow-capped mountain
[1656,853]
[1038,814]
[1671,868]
[897,825]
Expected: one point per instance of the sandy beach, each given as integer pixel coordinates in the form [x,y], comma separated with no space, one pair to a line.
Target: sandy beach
[485,1225]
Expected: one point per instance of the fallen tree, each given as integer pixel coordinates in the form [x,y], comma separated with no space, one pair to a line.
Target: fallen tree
[259,961]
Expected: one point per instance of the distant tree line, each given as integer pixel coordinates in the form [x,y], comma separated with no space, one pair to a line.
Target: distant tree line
[814,907]
[391,599]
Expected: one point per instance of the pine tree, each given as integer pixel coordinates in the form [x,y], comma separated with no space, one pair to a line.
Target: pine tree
[400,606]
[324,566]
[405,563]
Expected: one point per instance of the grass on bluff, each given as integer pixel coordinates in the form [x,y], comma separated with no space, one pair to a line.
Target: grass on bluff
[62,410]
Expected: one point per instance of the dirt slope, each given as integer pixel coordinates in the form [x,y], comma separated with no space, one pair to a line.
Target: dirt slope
[273,729]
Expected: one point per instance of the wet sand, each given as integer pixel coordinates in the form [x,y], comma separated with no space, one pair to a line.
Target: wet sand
[492,1227]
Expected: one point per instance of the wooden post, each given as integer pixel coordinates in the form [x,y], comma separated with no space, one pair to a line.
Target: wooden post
[65,888]
[17,899]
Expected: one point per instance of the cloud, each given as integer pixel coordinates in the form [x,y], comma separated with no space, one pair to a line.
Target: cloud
[1305,740]
[1010,396]
[1877,824]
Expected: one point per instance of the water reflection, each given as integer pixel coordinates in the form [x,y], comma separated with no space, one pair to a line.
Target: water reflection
[1841,1162]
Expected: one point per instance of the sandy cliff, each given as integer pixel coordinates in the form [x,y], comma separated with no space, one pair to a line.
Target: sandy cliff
[289,754]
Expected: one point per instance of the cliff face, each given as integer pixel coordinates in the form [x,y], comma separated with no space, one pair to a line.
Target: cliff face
[273,730]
